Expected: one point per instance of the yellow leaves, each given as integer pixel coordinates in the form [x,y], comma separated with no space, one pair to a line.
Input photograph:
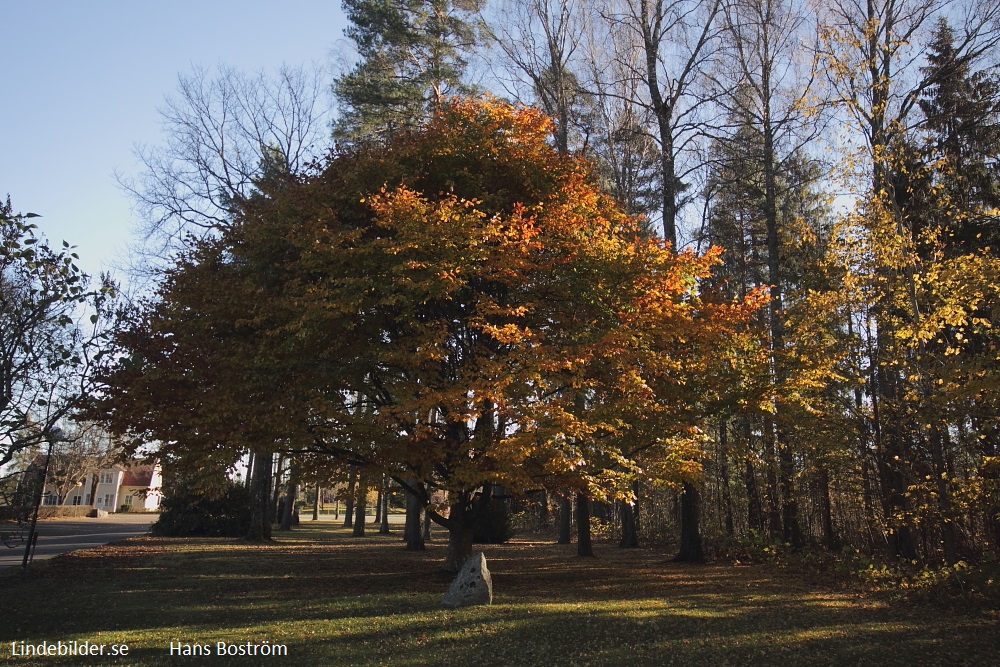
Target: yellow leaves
[507,334]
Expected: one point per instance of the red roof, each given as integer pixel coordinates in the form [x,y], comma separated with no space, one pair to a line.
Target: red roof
[138,476]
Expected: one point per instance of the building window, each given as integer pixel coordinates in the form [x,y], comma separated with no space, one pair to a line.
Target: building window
[107,477]
[76,500]
[127,500]
[109,499]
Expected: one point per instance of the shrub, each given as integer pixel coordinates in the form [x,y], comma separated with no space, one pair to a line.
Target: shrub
[494,523]
[189,513]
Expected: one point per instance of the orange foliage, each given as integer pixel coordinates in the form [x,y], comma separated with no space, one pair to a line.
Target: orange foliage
[459,307]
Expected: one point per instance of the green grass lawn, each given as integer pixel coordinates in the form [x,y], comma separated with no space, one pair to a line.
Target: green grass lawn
[336,600]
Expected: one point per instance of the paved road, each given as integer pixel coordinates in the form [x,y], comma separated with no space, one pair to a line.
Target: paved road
[58,536]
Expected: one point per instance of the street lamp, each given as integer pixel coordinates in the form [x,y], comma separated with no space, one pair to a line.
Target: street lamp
[54,435]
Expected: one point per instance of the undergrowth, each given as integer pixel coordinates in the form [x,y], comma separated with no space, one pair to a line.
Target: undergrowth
[964,583]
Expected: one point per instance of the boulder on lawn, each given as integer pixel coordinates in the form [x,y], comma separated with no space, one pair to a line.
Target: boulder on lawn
[472,585]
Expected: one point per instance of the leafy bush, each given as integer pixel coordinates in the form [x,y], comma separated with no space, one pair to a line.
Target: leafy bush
[189,513]
[494,523]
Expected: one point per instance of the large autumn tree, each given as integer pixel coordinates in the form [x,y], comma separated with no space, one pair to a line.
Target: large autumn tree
[461,307]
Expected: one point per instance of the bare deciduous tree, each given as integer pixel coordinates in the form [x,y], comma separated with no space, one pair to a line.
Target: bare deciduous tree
[222,133]
[539,40]
[677,43]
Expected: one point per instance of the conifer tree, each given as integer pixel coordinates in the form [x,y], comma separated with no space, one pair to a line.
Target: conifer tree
[412,55]
[961,108]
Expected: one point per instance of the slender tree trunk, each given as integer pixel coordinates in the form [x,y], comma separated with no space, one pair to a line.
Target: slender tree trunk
[791,533]
[727,496]
[352,480]
[260,499]
[289,507]
[989,472]
[636,507]
[949,534]
[319,490]
[276,483]
[826,509]
[867,451]
[543,509]
[755,515]
[584,547]
[383,528]
[772,487]
[890,452]
[246,482]
[360,505]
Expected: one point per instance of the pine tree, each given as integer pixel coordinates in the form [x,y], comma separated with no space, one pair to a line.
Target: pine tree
[412,56]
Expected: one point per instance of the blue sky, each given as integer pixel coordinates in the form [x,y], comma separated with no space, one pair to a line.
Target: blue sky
[82,80]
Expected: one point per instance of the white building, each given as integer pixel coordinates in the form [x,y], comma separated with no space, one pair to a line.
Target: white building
[135,488]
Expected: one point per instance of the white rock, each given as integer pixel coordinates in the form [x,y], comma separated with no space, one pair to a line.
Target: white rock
[472,586]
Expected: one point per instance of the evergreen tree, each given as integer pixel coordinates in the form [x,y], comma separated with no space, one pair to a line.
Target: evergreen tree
[412,56]
[961,110]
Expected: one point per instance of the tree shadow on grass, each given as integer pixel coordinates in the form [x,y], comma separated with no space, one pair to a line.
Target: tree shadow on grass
[335,600]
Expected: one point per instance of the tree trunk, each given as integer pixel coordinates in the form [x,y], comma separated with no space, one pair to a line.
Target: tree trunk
[772,487]
[691,551]
[630,537]
[583,543]
[360,505]
[289,506]
[460,524]
[890,452]
[276,483]
[543,509]
[565,520]
[942,473]
[790,531]
[413,533]
[246,482]
[755,515]
[727,496]
[260,499]
[319,490]
[383,528]
[352,480]
[826,509]
[755,509]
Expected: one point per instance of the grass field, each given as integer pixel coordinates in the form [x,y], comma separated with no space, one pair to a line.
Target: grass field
[336,600]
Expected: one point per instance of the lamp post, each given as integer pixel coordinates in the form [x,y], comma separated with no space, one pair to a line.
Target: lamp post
[54,434]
